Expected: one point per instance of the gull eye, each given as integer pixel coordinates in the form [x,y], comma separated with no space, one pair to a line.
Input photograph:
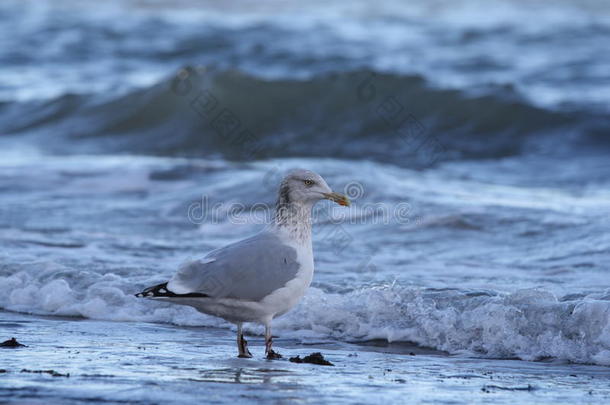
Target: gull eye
[309,183]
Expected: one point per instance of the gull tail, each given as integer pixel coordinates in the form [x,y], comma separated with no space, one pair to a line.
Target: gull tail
[161,291]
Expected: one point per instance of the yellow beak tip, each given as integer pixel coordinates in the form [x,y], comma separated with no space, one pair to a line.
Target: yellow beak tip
[338,198]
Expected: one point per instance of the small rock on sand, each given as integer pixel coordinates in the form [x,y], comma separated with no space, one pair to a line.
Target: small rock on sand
[11,343]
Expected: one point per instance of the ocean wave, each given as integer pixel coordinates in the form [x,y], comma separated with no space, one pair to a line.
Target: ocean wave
[530,324]
[363,114]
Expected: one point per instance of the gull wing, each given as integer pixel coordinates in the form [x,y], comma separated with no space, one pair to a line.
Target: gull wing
[247,270]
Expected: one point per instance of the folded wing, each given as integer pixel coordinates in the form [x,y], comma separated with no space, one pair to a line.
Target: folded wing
[247,270]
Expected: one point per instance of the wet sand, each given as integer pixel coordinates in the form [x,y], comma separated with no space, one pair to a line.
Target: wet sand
[72,360]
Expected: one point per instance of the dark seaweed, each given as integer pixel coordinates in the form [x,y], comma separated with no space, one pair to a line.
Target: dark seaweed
[314,358]
[51,372]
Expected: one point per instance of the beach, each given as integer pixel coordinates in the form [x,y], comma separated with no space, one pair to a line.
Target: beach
[118,362]
[471,267]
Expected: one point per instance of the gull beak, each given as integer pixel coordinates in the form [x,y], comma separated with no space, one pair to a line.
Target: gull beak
[338,198]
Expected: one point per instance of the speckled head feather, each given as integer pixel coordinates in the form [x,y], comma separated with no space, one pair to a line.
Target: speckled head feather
[298,192]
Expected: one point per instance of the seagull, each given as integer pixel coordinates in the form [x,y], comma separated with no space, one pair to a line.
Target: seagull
[259,278]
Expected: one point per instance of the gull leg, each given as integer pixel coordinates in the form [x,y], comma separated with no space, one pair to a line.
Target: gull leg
[242,344]
[271,355]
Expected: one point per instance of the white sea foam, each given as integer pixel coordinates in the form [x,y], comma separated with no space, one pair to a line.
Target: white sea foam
[530,324]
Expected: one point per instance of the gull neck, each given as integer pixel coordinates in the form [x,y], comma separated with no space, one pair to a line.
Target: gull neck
[293,219]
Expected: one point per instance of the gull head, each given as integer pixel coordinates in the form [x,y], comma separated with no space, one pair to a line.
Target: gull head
[306,187]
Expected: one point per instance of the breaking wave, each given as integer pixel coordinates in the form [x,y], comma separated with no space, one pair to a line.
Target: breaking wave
[363,114]
[530,324]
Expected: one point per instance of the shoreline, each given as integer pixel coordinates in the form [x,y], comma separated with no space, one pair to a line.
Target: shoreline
[112,362]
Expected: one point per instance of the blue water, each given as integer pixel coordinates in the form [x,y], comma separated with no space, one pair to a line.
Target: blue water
[473,139]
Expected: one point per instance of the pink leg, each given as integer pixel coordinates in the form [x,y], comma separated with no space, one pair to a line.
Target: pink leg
[242,344]
[271,355]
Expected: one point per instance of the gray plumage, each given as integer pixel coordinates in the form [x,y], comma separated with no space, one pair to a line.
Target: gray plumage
[243,282]
[250,269]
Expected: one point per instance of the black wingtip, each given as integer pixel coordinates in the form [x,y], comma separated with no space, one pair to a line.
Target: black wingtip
[161,290]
